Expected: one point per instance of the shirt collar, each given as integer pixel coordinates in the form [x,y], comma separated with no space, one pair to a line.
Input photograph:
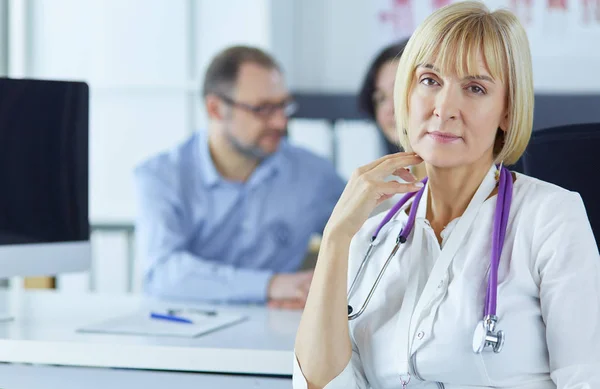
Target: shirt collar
[208,172]
[267,168]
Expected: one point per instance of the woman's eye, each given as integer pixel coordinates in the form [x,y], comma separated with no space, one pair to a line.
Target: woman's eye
[476,89]
[428,81]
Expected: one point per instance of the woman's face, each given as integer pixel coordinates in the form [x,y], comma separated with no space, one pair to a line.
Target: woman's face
[453,121]
[383,100]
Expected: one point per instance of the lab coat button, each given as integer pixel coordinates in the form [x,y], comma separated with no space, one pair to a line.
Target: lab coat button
[420,335]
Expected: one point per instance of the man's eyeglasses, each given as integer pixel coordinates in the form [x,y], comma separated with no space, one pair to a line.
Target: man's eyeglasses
[264,111]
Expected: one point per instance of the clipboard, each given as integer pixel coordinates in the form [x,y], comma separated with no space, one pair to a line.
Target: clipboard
[142,323]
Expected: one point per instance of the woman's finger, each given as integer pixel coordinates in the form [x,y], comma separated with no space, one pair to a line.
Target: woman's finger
[405,174]
[391,188]
[396,156]
[391,165]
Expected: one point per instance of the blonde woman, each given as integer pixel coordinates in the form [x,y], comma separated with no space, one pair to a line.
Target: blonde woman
[490,278]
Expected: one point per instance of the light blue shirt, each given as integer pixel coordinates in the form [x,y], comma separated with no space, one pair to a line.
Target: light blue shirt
[205,238]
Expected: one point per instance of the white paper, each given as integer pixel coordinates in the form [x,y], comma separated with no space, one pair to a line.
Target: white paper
[140,323]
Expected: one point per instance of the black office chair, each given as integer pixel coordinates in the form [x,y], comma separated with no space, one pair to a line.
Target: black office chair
[569,156]
[517,167]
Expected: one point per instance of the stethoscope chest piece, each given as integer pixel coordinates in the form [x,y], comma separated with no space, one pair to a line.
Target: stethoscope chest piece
[486,336]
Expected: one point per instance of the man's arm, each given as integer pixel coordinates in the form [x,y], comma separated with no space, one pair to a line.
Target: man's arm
[170,270]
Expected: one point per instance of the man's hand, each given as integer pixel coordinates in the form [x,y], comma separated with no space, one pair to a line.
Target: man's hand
[286,304]
[289,291]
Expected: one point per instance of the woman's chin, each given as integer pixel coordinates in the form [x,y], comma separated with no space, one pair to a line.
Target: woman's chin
[441,162]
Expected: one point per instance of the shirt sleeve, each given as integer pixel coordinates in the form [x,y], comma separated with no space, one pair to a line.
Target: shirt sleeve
[569,269]
[170,270]
[352,377]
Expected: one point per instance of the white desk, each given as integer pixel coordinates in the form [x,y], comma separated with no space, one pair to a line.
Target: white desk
[64,377]
[44,333]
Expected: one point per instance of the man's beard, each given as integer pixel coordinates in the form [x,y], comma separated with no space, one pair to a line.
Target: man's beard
[249,151]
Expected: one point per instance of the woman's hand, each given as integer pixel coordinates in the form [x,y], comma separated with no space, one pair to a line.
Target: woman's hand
[367,188]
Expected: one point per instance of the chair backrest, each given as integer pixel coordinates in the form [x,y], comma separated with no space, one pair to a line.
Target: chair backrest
[569,156]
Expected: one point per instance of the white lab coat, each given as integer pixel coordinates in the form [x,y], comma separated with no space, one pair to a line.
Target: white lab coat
[548,300]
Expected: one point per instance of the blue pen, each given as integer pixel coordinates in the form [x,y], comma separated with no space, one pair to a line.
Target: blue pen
[177,319]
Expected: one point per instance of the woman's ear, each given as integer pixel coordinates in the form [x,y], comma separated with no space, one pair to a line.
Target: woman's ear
[504,123]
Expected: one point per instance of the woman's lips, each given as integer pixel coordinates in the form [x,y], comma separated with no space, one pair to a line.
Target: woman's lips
[443,137]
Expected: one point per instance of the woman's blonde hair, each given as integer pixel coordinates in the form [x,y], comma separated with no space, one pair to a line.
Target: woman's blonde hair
[451,38]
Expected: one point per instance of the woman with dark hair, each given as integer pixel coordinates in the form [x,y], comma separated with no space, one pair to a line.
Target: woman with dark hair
[376,99]
[376,96]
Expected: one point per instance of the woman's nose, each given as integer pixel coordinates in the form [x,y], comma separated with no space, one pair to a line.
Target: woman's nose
[447,103]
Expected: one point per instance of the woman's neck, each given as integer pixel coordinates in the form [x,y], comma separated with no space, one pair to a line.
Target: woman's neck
[451,191]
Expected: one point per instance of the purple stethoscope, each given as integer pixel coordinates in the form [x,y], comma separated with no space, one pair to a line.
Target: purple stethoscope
[485,334]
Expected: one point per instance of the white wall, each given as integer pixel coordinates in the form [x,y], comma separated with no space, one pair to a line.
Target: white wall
[143,60]
[283,19]
[223,23]
[335,40]
[133,54]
